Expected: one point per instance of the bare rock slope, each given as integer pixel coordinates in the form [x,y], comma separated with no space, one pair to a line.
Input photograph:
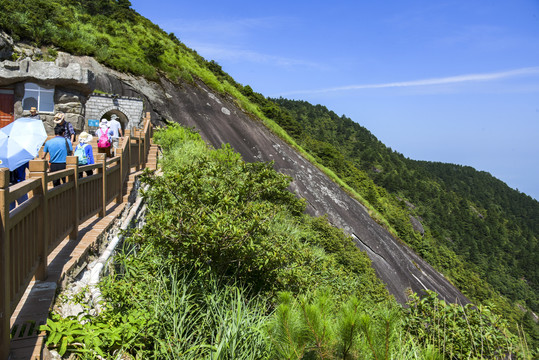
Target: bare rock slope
[220,121]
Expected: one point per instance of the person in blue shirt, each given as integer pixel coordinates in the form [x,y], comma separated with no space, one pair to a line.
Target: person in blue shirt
[57,148]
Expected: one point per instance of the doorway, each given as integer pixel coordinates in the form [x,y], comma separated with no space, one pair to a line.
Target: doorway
[6,107]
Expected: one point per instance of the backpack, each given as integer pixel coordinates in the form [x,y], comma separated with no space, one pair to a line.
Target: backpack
[104,141]
[81,154]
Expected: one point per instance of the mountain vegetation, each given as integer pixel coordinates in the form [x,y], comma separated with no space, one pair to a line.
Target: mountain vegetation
[477,230]
[471,213]
[228,266]
[474,229]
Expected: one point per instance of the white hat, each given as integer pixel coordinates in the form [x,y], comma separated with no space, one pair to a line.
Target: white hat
[104,122]
[59,117]
[84,137]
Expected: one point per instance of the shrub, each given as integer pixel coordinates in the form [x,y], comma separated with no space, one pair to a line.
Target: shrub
[460,332]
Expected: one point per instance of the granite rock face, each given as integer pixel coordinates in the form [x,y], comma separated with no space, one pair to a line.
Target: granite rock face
[220,121]
[73,75]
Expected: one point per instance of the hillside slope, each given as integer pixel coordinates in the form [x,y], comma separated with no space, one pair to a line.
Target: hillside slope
[220,121]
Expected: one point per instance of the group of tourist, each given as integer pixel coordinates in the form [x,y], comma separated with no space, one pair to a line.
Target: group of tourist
[61,146]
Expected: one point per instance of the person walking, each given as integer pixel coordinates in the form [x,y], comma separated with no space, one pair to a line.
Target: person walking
[116,128]
[84,152]
[16,176]
[58,148]
[104,134]
[69,131]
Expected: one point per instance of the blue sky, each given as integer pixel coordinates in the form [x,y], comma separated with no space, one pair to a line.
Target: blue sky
[450,81]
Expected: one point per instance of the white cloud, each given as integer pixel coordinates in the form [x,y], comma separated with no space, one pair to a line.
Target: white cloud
[233,39]
[220,53]
[428,82]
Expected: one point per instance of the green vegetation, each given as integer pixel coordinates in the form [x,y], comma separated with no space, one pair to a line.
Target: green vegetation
[227,266]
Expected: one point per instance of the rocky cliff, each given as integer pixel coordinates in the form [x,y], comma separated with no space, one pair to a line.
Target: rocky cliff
[220,121]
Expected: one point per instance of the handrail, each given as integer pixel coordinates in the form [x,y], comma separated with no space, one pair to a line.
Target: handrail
[20,189]
[30,232]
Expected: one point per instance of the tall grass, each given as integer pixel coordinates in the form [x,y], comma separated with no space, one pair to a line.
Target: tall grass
[220,322]
[191,318]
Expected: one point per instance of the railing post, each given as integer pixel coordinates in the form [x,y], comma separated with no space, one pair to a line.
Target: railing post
[38,169]
[72,162]
[127,137]
[150,127]
[119,198]
[140,151]
[143,148]
[5,268]
[146,135]
[101,158]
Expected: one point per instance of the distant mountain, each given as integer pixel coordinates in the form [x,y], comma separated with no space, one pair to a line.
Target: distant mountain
[478,217]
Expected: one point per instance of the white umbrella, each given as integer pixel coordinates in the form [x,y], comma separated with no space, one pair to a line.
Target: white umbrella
[20,142]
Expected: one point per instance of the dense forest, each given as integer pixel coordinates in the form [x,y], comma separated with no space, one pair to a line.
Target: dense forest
[473,228]
[475,215]
[478,231]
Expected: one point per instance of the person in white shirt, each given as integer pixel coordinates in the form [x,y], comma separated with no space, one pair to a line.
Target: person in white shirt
[116,128]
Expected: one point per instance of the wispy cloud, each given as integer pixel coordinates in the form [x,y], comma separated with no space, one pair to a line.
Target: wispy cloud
[428,82]
[238,54]
[235,39]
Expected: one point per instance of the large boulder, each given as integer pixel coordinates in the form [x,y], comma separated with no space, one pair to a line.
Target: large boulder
[73,75]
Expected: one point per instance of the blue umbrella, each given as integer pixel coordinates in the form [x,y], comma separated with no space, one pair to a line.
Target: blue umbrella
[20,142]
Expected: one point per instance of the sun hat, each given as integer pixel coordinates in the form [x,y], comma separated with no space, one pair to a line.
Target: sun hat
[59,117]
[84,137]
[104,122]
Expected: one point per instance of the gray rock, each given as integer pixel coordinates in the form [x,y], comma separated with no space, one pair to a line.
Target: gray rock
[48,122]
[6,46]
[66,96]
[76,120]
[416,224]
[71,107]
[73,75]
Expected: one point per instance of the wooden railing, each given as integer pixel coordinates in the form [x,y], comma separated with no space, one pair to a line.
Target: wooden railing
[30,232]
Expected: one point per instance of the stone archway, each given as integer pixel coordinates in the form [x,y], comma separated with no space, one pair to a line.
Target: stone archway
[120,116]
[128,109]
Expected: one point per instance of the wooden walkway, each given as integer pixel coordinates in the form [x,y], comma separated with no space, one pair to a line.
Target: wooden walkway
[68,258]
